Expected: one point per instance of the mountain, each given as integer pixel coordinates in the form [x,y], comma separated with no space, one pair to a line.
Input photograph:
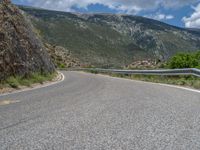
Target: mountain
[21,52]
[112,40]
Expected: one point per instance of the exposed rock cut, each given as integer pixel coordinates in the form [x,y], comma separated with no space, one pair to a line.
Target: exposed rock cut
[21,52]
[62,57]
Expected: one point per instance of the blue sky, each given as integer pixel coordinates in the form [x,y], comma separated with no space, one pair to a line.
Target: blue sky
[183,13]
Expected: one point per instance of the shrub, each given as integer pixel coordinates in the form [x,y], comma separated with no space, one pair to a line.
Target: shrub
[25,82]
[13,82]
[185,60]
[37,78]
[94,71]
[62,66]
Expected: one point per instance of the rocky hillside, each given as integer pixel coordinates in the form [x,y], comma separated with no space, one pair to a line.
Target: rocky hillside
[21,52]
[107,40]
[62,57]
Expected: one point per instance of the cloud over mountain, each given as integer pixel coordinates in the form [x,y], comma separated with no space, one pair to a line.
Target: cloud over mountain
[194,20]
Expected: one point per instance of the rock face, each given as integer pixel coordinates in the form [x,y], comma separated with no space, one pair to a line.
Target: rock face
[21,52]
[61,57]
[145,64]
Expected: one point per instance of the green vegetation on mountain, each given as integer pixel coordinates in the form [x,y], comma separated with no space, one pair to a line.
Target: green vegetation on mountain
[106,40]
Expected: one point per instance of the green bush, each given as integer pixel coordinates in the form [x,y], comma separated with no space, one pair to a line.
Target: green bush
[13,82]
[185,60]
[37,78]
[25,82]
[94,71]
[62,66]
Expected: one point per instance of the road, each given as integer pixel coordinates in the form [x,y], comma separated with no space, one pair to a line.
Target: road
[96,112]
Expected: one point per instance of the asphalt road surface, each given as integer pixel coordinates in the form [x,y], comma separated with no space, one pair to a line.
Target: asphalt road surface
[95,112]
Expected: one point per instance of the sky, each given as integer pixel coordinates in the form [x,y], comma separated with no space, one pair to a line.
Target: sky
[182,13]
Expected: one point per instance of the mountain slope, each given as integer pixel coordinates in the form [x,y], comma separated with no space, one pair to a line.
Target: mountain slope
[112,40]
[21,52]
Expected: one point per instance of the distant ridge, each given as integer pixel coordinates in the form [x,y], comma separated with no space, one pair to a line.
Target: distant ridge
[112,40]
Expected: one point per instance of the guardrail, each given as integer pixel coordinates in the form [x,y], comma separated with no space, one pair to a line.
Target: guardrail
[166,72]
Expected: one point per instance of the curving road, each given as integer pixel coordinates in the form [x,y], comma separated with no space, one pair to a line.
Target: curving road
[95,112]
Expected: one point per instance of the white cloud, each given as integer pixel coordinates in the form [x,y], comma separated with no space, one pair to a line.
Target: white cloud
[168,17]
[194,20]
[160,16]
[126,6]
[177,3]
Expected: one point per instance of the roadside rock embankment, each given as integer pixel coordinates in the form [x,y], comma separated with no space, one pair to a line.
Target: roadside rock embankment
[21,51]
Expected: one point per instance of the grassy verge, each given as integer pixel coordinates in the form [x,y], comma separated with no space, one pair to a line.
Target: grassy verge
[17,81]
[187,81]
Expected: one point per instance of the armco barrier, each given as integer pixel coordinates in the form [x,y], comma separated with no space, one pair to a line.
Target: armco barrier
[170,72]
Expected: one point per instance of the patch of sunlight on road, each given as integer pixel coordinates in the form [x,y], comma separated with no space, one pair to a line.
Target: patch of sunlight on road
[7,102]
